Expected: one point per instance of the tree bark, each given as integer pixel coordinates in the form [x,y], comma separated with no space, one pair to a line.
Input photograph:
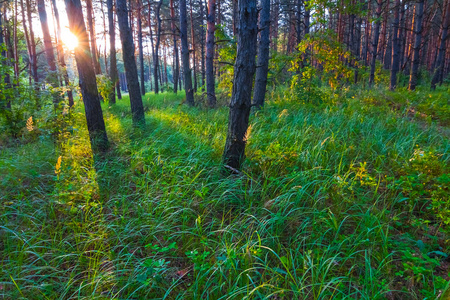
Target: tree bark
[193,48]
[129,61]
[203,70]
[395,47]
[185,54]
[376,34]
[210,78]
[141,49]
[440,57]
[175,48]
[91,24]
[112,52]
[86,73]
[156,50]
[263,55]
[417,43]
[61,60]
[244,70]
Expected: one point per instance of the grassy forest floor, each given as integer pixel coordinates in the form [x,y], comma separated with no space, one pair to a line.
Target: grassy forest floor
[343,199]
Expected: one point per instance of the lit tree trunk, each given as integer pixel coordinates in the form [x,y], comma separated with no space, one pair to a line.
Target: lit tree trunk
[185,54]
[439,66]
[263,55]
[86,73]
[33,57]
[376,34]
[141,49]
[16,50]
[395,47]
[129,61]
[61,60]
[49,53]
[112,52]
[417,43]
[175,48]
[244,69]
[27,39]
[210,80]
[93,38]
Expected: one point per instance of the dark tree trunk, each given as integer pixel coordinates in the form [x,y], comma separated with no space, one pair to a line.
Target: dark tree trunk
[141,49]
[202,14]
[112,52]
[175,48]
[33,58]
[129,61]
[263,55]
[193,48]
[417,43]
[27,39]
[86,73]
[376,34]
[91,24]
[395,47]
[61,60]
[156,50]
[185,54]
[244,70]
[440,57]
[276,12]
[210,80]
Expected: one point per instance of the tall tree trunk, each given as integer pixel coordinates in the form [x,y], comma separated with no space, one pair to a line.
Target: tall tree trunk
[86,73]
[417,43]
[210,80]
[263,55]
[244,70]
[376,34]
[91,24]
[27,39]
[112,52]
[276,12]
[185,54]
[16,50]
[129,61]
[175,48]
[61,60]
[395,47]
[440,56]
[141,49]
[193,48]
[49,53]
[33,57]
[156,50]
[202,14]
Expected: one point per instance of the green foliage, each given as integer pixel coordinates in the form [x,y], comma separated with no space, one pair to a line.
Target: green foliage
[330,205]
[227,56]
[104,86]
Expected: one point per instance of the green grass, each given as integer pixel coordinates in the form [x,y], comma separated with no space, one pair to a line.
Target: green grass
[344,201]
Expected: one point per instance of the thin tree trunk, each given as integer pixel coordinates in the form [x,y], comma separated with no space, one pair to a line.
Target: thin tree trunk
[417,43]
[112,52]
[210,80]
[61,60]
[185,54]
[33,57]
[193,49]
[202,14]
[376,34]
[395,47]
[439,67]
[91,24]
[141,49]
[86,73]
[175,48]
[244,70]
[156,50]
[263,55]
[129,61]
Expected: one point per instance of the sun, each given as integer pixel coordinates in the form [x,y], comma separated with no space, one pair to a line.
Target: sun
[69,39]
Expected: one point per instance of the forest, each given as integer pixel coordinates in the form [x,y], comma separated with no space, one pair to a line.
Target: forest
[225,149]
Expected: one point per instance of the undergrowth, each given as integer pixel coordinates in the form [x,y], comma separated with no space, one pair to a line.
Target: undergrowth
[345,199]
